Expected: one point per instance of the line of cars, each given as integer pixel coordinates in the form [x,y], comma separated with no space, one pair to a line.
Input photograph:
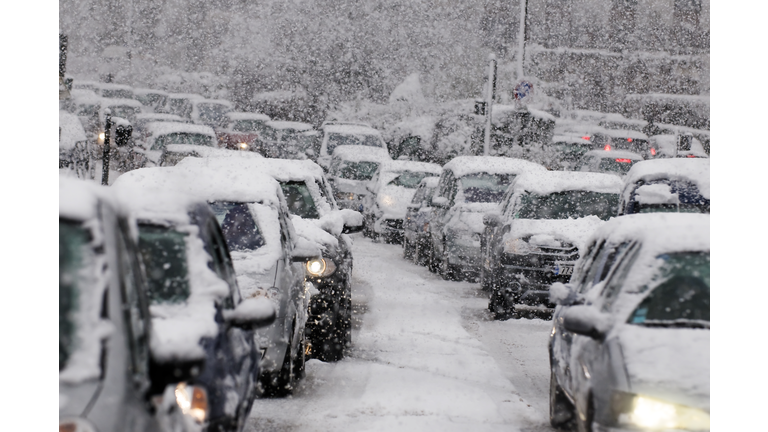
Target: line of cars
[239,268]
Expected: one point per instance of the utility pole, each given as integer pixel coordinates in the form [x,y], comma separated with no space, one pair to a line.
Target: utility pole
[105,157]
[521,38]
[491,92]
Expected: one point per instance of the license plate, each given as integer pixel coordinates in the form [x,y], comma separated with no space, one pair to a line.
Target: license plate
[563,268]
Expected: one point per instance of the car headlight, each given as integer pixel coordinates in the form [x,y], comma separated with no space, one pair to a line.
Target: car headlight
[193,401]
[649,413]
[387,201]
[101,137]
[519,247]
[76,425]
[320,267]
[243,146]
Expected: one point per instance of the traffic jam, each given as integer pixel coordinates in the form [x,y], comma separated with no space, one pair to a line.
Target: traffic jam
[484,263]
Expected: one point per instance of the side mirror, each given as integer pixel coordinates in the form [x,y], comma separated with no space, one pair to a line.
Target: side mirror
[351,229]
[251,314]
[491,219]
[586,321]
[441,202]
[304,250]
[172,372]
[564,294]
[353,221]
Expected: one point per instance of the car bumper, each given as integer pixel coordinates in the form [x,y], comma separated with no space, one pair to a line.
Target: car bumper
[529,280]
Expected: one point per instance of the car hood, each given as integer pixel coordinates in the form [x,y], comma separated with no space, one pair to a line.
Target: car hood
[545,231]
[355,186]
[670,364]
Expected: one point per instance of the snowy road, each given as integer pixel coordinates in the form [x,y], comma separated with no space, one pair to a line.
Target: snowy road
[425,357]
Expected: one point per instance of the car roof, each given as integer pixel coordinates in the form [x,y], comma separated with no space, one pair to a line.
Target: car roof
[613,154]
[281,169]
[142,91]
[78,199]
[694,170]
[558,181]
[113,86]
[281,124]
[355,153]
[237,115]
[463,165]
[160,117]
[351,129]
[161,128]
[108,102]
[404,165]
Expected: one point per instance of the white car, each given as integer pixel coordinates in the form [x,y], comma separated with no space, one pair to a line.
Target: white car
[161,134]
[667,185]
[350,170]
[390,191]
[345,134]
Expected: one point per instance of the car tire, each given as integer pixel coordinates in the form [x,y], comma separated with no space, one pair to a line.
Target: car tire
[561,413]
[283,383]
[499,307]
[447,270]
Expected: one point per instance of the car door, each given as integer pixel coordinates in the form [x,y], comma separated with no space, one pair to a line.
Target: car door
[446,188]
[291,278]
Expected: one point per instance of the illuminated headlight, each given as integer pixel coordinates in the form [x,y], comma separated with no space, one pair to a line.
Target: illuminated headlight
[648,413]
[387,201]
[75,425]
[193,401]
[243,146]
[101,137]
[320,267]
[519,247]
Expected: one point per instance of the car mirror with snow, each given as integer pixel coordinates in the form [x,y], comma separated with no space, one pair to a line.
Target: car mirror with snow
[586,321]
[563,294]
[251,313]
[441,202]
[491,219]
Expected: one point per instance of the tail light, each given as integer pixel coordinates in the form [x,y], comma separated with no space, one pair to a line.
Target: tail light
[629,139]
[607,147]
[624,160]
[653,151]
[586,137]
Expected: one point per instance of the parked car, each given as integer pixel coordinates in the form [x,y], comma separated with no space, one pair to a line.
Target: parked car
[469,187]
[202,111]
[181,104]
[125,108]
[677,146]
[268,256]
[536,236]
[339,134]
[350,170]
[416,222]
[316,218]
[108,379]
[243,131]
[617,162]
[161,134]
[389,192]
[629,347]
[280,139]
[152,100]
[666,185]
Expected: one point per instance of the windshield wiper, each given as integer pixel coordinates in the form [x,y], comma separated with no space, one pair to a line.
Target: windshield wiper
[684,323]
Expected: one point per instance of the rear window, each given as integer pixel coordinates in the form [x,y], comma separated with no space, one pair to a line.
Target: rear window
[410,179]
[338,139]
[238,226]
[356,170]
[248,126]
[211,112]
[164,253]
[182,138]
[484,187]
[568,205]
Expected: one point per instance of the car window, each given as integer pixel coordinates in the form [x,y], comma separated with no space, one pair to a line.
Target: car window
[164,253]
[222,262]
[181,138]
[337,139]
[299,200]
[567,205]
[409,179]
[238,226]
[356,170]
[616,277]
[485,187]
[248,126]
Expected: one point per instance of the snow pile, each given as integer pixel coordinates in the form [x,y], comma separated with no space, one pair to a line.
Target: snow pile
[463,165]
[408,91]
[559,181]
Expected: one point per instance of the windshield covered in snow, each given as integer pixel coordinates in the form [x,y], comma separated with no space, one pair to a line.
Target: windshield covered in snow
[248,126]
[410,179]
[163,251]
[484,187]
[568,205]
[619,165]
[300,202]
[338,139]
[356,170]
[681,299]
[238,226]
[182,138]
[75,262]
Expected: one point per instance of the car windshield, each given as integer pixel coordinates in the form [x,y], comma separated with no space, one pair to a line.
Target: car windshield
[410,179]
[76,261]
[357,170]
[338,139]
[680,297]
[237,224]
[164,253]
[117,94]
[568,205]
[484,187]
[211,112]
[248,126]
[616,165]
[182,138]
[300,202]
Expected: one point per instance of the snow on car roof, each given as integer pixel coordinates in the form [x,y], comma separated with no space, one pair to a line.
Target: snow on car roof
[280,169]
[224,102]
[558,181]
[108,102]
[185,96]
[196,151]
[159,117]
[112,86]
[625,133]
[280,124]
[431,182]
[247,116]
[83,93]
[694,170]
[162,128]
[403,165]
[71,130]
[499,111]
[78,198]
[349,129]
[146,91]
[361,153]
[612,154]
[463,165]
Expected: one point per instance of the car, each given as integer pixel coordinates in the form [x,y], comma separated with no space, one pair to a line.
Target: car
[242,131]
[537,234]
[390,191]
[141,120]
[125,108]
[350,170]
[629,347]
[269,258]
[677,146]
[86,105]
[280,139]
[565,152]
[315,217]
[115,91]
[609,139]
[666,185]
[416,222]
[202,111]
[161,134]
[340,134]
[616,162]
[196,305]
[108,379]
[181,104]
[175,153]
[469,187]
[153,100]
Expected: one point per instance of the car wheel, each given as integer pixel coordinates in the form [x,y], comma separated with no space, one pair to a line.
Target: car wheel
[448,271]
[560,408]
[331,347]
[284,382]
[499,307]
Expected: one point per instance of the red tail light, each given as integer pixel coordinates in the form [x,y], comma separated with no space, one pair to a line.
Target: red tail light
[691,156]
[624,160]
[607,147]
[586,137]
[629,139]
[653,151]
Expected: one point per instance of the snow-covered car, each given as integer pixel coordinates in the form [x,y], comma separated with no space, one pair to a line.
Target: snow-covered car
[74,148]
[200,110]
[181,104]
[609,139]
[115,91]
[469,186]
[350,170]
[281,139]
[416,222]
[629,348]
[161,134]
[268,256]
[191,283]
[390,191]
[677,146]
[175,153]
[140,122]
[617,162]
[666,185]
[106,373]
[86,105]
[124,108]
[242,131]
[337,135]
[151,99]
[316,218]
[566,151]
[537,234]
